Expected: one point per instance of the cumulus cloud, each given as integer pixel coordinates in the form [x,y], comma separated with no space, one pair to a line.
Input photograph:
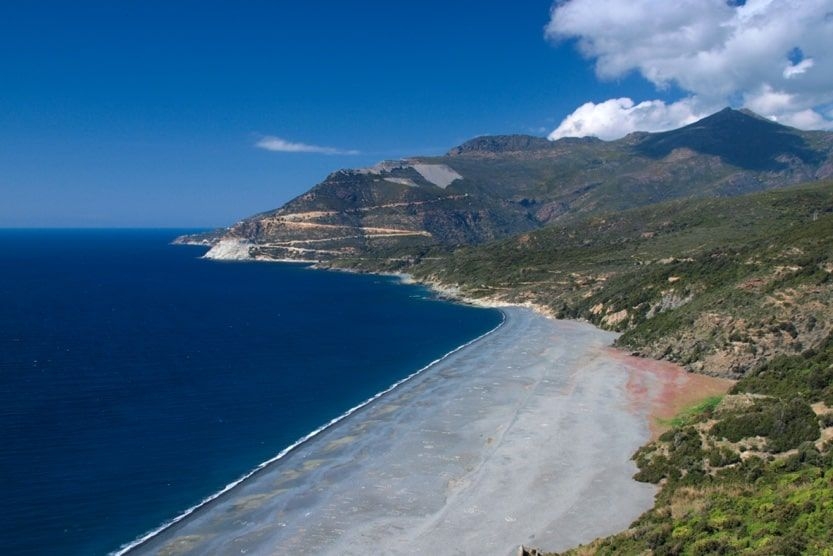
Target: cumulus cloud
[797,69]
[276,144]
[776,55]
[614,118]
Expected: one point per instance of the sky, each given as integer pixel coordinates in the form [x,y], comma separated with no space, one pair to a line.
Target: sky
[200,113]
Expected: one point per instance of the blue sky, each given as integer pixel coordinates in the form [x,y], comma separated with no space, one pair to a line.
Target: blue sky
[150,113]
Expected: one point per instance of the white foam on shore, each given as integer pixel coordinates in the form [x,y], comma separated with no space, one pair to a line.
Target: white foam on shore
[124,549]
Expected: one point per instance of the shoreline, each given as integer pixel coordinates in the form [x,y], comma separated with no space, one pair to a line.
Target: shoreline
[332,453]
[137,543]
[452,293]
[657,389]
[699,386]
[238,250]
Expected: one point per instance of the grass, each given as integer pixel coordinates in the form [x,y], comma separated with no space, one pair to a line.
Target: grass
[693,414]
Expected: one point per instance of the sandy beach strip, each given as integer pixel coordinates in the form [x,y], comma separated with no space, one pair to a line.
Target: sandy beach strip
[523,437]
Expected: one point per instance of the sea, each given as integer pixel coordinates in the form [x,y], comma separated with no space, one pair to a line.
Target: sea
[137,379]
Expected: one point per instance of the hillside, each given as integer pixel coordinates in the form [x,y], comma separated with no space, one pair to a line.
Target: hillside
[494,187]
[746,474]
[717,285]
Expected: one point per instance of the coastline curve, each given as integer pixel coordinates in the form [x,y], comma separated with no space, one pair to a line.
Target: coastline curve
[137,543]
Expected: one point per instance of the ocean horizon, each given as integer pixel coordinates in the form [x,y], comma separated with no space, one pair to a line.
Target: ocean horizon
[139,379]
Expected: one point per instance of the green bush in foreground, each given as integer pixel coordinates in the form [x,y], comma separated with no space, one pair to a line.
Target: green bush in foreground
[716,498]
[809,376]
[757,507]
[785,424]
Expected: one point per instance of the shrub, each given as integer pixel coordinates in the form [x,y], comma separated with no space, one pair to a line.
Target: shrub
[784,424]
[721,457]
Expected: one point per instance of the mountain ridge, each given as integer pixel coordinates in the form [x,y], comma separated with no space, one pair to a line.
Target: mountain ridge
[493,187]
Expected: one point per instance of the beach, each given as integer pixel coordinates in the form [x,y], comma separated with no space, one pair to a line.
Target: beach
[523,437]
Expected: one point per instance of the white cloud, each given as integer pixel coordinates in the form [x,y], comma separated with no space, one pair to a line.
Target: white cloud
[276,144]
[793,70]
[806,119]
[614,118]
[774,53]
[766,100]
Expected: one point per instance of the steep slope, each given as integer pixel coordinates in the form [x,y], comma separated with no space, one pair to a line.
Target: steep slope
[494,187]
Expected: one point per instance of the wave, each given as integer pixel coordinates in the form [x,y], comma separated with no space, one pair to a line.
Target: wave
[124,549]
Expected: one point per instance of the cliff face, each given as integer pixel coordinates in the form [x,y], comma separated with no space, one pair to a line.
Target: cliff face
[495,187]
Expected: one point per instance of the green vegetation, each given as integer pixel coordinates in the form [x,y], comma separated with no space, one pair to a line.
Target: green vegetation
[765,508]
[717,285]
[694,413]
[809,376]
[740,287]
[748,475]
[784,423]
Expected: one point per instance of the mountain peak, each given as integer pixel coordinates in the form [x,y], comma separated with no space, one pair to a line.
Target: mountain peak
[501,144]
[739,137]
[731,115]
[752,114]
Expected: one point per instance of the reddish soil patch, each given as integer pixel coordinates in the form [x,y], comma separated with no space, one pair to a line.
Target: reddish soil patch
[663,389]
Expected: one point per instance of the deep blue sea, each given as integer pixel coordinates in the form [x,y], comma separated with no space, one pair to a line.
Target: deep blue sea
[136,379]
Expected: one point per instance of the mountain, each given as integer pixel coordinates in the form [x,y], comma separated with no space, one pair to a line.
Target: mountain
[498,186]
[740,138]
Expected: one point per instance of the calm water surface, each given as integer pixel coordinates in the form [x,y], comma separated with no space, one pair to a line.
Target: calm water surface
[136,379]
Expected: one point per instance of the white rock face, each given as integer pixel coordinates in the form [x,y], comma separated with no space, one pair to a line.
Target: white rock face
[438,174]
[402,181]
[230,250]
